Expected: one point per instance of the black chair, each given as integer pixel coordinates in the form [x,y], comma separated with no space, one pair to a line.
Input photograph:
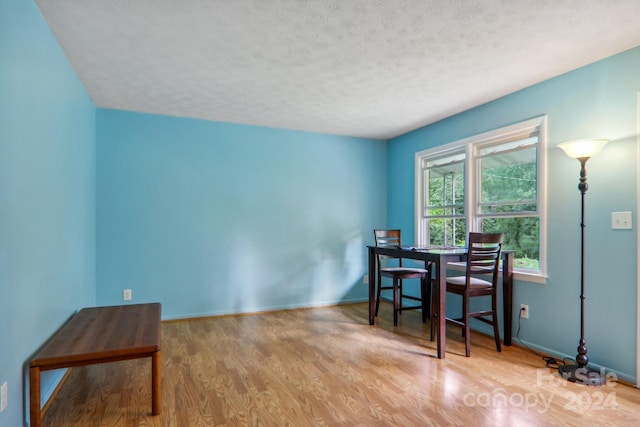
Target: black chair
[392,238]
[483,259]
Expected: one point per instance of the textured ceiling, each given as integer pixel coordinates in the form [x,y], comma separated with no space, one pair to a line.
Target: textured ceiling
[353,67]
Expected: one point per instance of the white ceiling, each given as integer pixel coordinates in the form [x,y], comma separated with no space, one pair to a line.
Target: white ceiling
[368,68]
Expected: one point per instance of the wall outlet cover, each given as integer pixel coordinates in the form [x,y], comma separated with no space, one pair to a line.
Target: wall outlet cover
[3,396]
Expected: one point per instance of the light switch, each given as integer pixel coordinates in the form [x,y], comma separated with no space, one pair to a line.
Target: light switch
[621,220]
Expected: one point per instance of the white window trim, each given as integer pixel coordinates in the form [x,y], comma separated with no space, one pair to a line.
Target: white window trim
[470,144]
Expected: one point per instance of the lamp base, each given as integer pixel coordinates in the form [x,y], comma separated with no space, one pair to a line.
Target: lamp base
[583,375]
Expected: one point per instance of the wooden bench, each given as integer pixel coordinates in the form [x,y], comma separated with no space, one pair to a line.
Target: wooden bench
[100,335]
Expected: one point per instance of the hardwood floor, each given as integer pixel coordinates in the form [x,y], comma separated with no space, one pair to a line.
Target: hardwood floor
[328,367]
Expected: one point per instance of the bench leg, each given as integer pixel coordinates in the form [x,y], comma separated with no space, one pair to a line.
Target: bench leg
[155,382]
[34,397]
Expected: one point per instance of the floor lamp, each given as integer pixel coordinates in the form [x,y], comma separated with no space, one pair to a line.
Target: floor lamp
[582,150]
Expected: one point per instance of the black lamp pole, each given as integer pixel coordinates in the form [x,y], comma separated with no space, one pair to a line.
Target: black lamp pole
[581,373]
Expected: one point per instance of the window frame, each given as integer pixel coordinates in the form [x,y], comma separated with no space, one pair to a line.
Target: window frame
[470,147]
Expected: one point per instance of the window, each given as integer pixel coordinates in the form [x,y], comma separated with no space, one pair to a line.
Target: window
[494,182]
[444,199]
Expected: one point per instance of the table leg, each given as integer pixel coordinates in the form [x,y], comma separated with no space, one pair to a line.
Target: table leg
[156,363]
[442,309]
[439,316]
[507,296]
[34,397]
[425,286]
[372,286]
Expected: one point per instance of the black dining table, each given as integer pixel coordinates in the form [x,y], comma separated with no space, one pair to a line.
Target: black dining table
[440,257]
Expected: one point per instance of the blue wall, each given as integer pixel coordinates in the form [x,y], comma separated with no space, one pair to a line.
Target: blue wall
[595,101]
[47,194]
[213,218]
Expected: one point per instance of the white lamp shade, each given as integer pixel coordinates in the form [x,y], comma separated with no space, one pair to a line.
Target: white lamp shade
[583,148]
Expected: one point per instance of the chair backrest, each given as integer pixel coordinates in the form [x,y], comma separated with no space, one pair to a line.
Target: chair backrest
[387,238]
[484,255]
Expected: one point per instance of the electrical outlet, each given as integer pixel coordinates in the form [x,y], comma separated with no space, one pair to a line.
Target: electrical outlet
[524,311]
[365,279]
[3,396]
[126,295]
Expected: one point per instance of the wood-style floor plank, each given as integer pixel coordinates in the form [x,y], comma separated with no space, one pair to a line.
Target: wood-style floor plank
[328,367]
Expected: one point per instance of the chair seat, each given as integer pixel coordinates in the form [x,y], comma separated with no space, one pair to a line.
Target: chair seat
[474,282]
[393,271]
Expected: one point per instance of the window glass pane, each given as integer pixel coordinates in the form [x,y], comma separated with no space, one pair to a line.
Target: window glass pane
[509,182]
[433,162]
[447,232]
[522,235]
[445,188]
[517,144]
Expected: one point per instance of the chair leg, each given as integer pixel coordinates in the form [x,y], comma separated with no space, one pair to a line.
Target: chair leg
[496,329]
[465,311]
[378,296]
[467,327]
[400,296]
[496,332]
[395,301]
